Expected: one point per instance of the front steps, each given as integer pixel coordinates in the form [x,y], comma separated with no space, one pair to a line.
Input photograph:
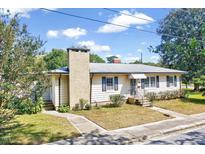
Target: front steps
[138,101]
[48,106]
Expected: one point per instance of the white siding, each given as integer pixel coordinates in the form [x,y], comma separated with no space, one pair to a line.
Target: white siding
[124,86]
[63,90]
[98,95]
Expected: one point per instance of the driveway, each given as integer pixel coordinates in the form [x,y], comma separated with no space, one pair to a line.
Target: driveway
[191,137]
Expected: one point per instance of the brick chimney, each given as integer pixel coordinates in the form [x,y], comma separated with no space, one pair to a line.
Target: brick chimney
[116,61]
[79,75]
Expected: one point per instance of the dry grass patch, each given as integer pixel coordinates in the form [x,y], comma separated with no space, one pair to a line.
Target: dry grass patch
[36,129]
[194,104]
[120,117]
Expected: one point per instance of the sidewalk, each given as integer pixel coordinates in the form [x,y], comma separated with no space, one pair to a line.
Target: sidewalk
[94,134]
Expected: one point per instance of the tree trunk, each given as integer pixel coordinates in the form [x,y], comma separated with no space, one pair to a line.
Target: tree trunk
[196,87]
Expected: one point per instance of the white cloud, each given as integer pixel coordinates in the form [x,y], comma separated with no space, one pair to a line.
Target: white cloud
[52,34]
[155,58]
[139,50]
[130,59]
[74,32]
[139,27]
[126,21]
[22,12]
[70,33]
[143,43]
[94,47]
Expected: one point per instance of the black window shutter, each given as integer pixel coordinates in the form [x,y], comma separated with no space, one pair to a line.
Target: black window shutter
[103,83]
[116,83]
[157,78]
[175,81]
[168,85]
[142,83]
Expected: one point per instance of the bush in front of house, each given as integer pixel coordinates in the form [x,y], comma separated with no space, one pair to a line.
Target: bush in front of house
[63,108]
[83,105]
[165,95]
[117,100]
[27,106]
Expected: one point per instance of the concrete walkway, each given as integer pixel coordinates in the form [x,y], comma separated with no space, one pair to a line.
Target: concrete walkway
[168,112]
[82,124]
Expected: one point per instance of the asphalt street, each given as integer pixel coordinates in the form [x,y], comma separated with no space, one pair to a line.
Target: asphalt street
[192,137]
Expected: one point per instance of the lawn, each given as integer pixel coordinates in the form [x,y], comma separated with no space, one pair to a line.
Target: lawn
[120,117]
[195,103]
[36,129]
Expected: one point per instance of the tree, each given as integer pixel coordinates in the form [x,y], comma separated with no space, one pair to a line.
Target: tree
[94,58]
[199,82]
[110,59]
[21,74]
[185,53]
[55,59]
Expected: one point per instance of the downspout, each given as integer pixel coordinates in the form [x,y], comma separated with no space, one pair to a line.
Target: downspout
[59,90]
[91,80]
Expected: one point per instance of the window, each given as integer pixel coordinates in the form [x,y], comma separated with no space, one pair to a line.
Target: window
[110,84]
[153,81]
[146,82]
[171,81]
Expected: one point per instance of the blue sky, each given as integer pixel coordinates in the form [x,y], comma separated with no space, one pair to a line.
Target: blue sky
[61,31]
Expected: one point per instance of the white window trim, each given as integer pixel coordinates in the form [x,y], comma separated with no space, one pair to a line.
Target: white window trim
[108,90]
[149,86]
[172,80]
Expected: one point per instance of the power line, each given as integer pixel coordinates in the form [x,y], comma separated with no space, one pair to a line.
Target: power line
[155,21]
[119,25]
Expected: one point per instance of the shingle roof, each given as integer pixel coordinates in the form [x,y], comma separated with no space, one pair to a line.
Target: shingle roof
[129,68]
[122,68]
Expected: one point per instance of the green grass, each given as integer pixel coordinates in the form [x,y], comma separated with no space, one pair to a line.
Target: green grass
[195,103]
[120,117]
[36,129]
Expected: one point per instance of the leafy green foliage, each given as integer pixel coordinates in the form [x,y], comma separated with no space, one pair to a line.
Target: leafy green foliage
[94,58]
[21,71]
[183,53]
[55,59]
[117,100]
[110,59]
[63,108]
[199,82]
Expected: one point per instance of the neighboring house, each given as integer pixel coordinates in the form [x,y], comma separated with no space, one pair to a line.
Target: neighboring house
[95,82]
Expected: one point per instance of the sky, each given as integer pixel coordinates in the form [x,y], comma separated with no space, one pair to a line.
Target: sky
[61,32]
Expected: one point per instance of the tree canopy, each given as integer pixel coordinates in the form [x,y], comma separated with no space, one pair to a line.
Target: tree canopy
[110,59]
[185,52]
[94,58]
[55,59]
[21,74]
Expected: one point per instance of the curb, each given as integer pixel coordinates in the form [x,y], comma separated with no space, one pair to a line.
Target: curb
[145,137]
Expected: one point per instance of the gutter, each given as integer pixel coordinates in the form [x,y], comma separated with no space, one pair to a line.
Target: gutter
[59,90]
[91,81]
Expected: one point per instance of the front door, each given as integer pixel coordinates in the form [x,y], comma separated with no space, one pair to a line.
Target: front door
[132,87]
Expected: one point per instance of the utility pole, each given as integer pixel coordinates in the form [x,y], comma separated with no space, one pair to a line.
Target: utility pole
[141,58]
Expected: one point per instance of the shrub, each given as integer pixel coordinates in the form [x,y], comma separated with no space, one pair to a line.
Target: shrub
[26,106]
[83,105]
[151,96]
[63,108]
[164,95]
[117,100]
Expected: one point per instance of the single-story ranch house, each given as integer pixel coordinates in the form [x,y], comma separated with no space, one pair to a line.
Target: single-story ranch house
[95,82]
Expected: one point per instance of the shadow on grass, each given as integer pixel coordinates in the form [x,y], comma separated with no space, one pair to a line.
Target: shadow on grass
[193,100]
[95,138]
[16,133]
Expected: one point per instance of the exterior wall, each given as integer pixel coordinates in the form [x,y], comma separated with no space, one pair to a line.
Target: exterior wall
[79,77]
[63,89]
[124,86]
[99,96]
